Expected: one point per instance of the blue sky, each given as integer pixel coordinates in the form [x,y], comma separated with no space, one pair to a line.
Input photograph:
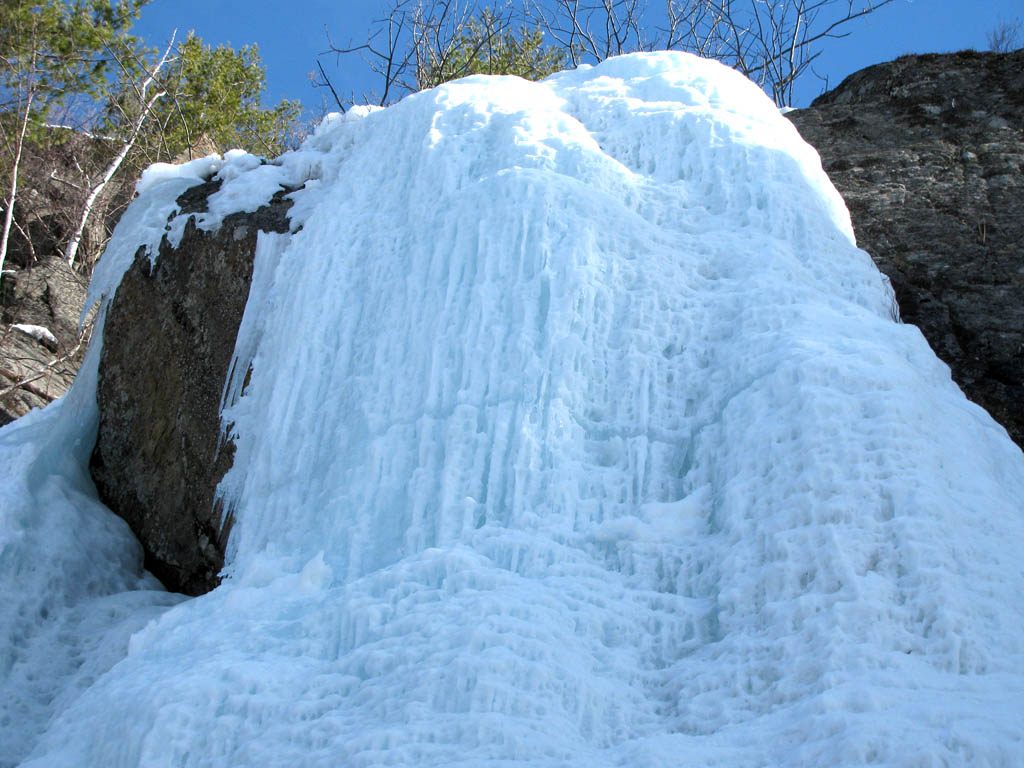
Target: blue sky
[290,34]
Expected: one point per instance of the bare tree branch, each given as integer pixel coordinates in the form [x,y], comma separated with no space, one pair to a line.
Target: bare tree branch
[774,42]
[147,102]
[1005,37]
[771,41]
[18,150]
[329,84]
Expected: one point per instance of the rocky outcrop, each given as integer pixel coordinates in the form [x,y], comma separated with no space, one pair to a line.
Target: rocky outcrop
[41,346]
[38,289]
[167,344]
[928,152]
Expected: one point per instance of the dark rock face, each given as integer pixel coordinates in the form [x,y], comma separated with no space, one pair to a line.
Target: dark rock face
[928,153]
[167,344]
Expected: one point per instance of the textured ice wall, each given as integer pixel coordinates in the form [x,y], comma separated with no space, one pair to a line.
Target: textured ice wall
[579,433]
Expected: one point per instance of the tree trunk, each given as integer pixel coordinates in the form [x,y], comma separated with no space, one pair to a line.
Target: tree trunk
[94,193]
[76,238]
[9,213]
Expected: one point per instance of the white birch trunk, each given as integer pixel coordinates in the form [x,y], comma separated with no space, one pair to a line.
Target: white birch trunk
[147,106]
[9,213]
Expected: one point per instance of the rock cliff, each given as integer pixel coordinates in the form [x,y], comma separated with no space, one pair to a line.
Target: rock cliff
[928,153]
[41,346]
[37,287]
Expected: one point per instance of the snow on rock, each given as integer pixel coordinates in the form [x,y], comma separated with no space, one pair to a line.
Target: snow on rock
[38,332]
[195,170]
[579,433]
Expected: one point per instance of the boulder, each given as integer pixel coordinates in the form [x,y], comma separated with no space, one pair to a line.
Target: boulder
[167,344]
[928,153]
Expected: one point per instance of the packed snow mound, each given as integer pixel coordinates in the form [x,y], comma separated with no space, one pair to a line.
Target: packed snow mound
[579,433]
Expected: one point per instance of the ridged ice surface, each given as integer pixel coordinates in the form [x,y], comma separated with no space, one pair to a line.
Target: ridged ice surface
[578,433]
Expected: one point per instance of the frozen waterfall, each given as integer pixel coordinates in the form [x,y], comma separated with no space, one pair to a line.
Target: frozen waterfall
[578,433]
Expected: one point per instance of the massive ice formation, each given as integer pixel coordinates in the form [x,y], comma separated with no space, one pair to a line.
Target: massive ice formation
[579,433]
